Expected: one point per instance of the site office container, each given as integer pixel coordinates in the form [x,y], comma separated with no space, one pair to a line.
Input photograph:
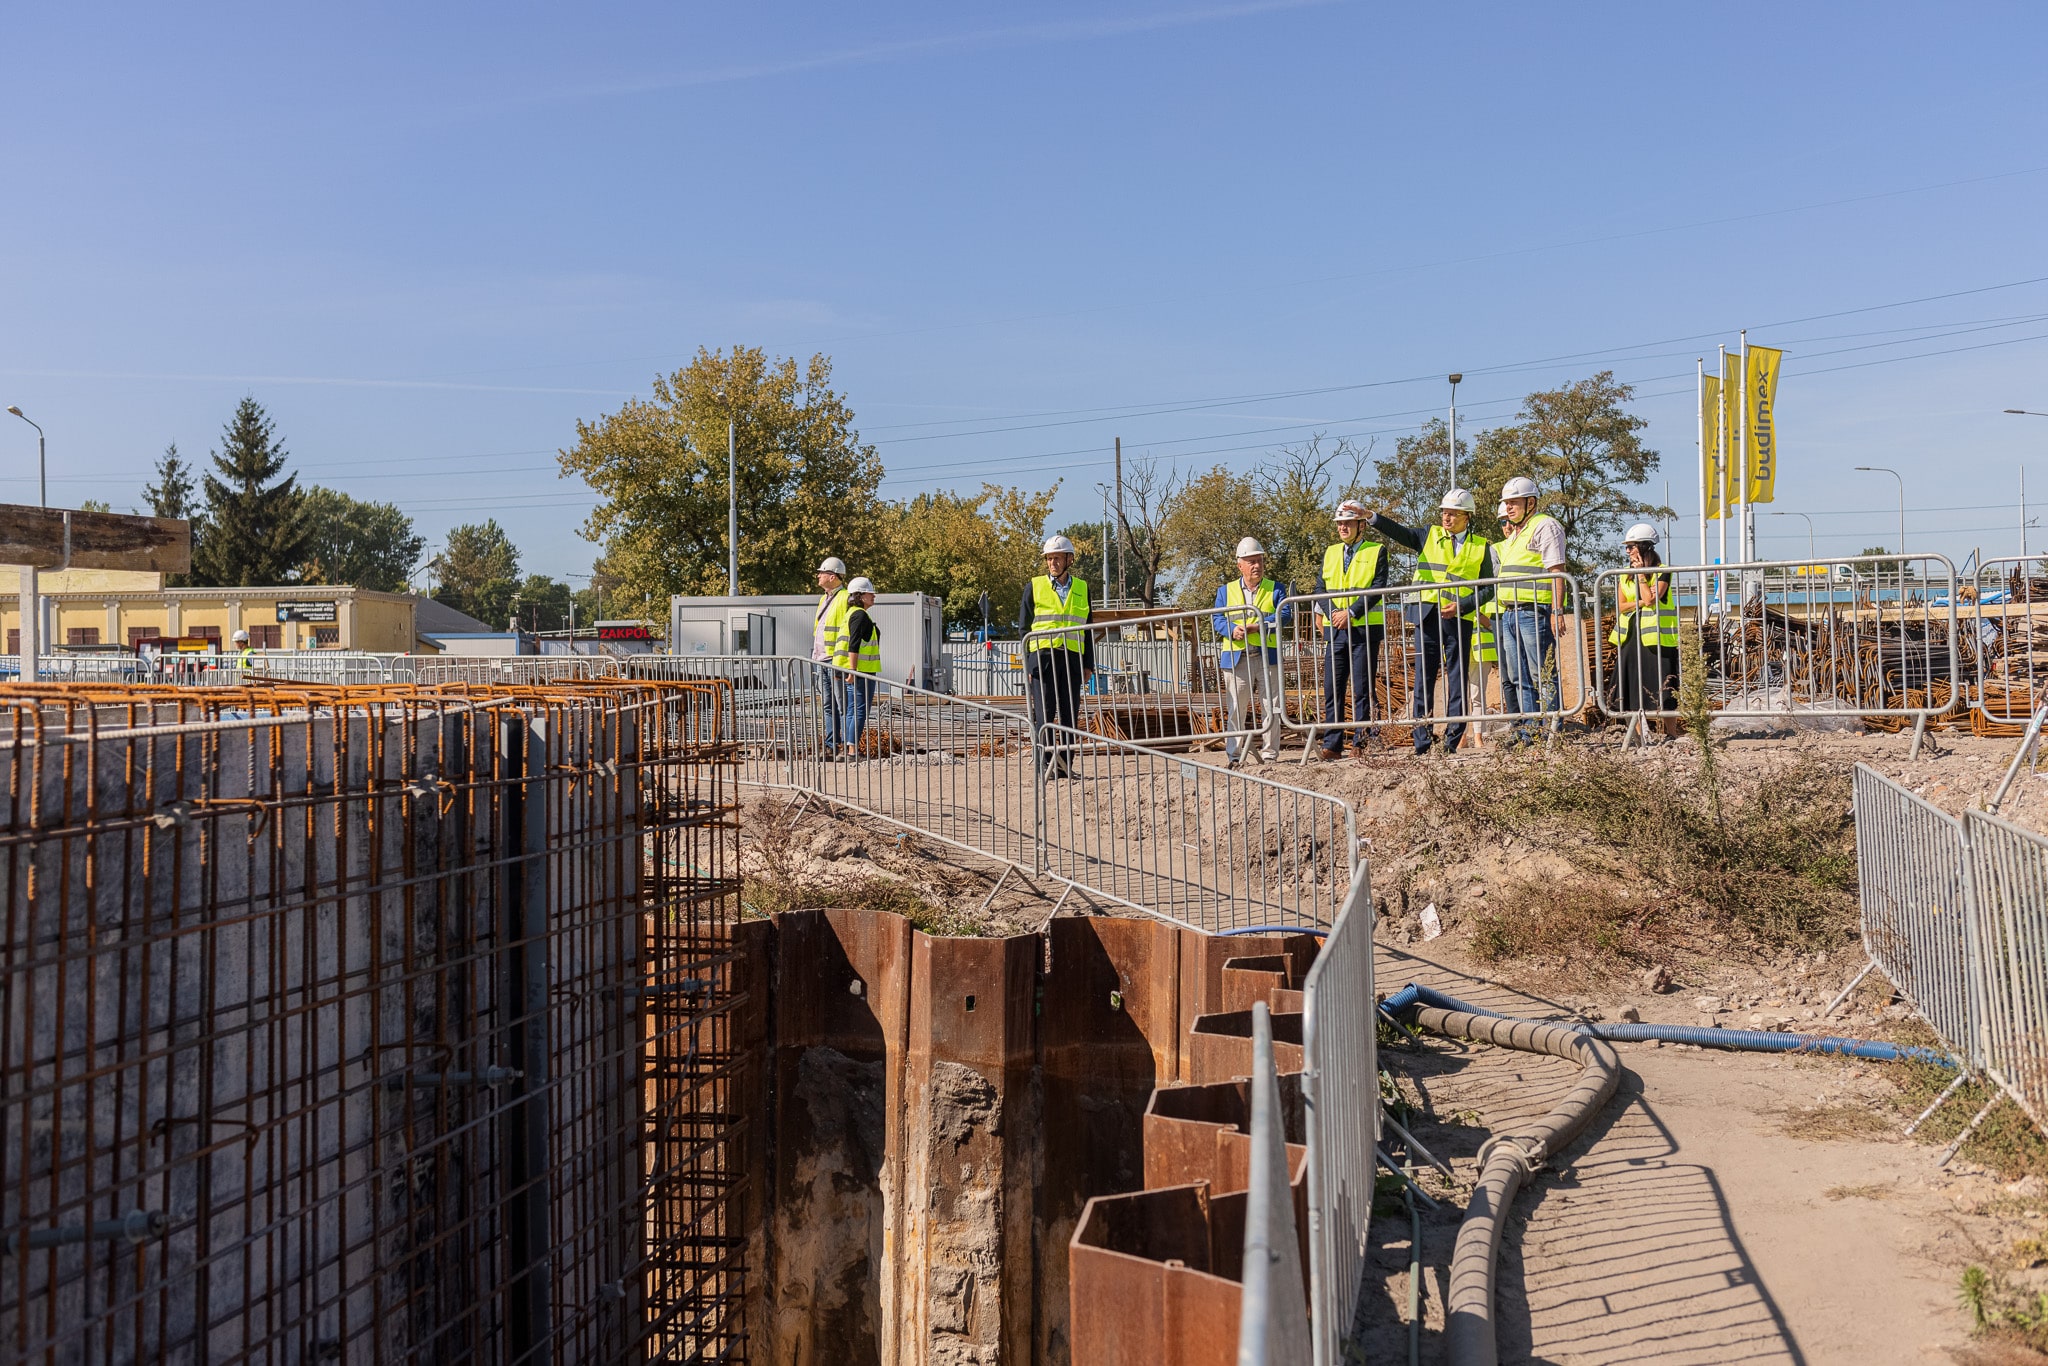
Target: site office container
[913,631]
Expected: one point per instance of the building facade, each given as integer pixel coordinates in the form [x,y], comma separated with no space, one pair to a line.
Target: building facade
[101,607]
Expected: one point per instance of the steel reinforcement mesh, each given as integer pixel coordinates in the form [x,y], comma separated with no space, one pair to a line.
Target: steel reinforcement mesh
[368,1024]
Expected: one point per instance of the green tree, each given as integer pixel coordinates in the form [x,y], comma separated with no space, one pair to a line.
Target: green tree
[1089,543]
[1299,488]
[479,572]
[1409,484]
[1584,453]
[1210,514]
[95,505]
[543,604]
[171,494]
[959,546]
[256,523]
[806,481]
[362,544]
[1149,494]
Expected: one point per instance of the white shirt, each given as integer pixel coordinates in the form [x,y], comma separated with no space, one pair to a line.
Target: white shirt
[1546,538]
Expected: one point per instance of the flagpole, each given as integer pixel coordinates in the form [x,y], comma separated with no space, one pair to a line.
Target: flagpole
[1701,405]
[1721,473]
[1748,548]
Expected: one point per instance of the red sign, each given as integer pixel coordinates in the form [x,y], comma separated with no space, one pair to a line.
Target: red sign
[606,631]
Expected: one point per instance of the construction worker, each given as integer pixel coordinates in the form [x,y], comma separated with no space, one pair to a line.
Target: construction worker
[1056,666]
[1353,628]
[861,652]
[1531,552]
[828,632]
[245,657]
[1645,634]
[1441,620]
[1249,622]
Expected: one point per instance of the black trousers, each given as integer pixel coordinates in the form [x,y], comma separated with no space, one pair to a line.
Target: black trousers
[1351,654]
[1442,644]
[1646,676]
[1052,687]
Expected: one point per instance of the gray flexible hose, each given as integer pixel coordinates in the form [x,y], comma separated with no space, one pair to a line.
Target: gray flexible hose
[1507,1160]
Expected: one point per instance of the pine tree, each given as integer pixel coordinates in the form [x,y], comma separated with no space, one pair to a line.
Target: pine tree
[256,529]
[171,494]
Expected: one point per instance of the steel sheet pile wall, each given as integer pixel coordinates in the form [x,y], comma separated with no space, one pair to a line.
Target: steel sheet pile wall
[366,1029]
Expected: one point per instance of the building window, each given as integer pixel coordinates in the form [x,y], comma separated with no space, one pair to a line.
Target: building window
[81,635]
[267,637]
[13,640]
[211,633]
[137,634]
[326,637]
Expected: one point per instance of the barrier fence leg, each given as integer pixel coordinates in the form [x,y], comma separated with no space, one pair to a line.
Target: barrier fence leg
[1947,1091]
[1843,994]
[1964,1137]
[1919,734]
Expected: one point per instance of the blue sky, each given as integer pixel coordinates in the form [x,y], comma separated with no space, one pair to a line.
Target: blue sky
[430,238]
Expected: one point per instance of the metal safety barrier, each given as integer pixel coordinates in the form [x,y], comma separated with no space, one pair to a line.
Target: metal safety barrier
[1864,635]
[1273,1320]
[511,670]
[1340,1090]
[1955,913]
[1208,846]
[1406,660]
[1159,679]
[2004,633]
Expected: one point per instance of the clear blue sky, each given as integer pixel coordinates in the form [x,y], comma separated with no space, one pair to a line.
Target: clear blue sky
[429,238]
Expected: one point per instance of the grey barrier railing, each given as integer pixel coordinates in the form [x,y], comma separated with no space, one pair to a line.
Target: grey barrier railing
[1340,1092]
[1410,631]
[1211,847]
[1159,679]
[2005,632]
[1955,914]
[1273,1317]
[508,669]
[1863,636]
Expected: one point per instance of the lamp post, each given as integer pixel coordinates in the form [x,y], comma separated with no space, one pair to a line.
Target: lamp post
[1811,553]
[29,601]
[732,509]
[1454,427]
[1880,469]
[2024,412]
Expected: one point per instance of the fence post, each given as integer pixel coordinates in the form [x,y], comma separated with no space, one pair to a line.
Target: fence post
[523,1126]
[1273,1323]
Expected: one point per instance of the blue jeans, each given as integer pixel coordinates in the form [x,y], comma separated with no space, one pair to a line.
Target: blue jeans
[833,686]
[1526,641]
[860,692]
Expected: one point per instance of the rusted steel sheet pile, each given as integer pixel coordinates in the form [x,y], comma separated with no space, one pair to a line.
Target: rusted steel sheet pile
[1027,1149]
[368,1023]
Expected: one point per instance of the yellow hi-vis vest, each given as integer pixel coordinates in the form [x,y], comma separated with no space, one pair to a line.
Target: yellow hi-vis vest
[1048,612]
[867,659]
[1256,636]
[1438,563]
[1365,563]
[828,634]
[1516,558]
[1656,623]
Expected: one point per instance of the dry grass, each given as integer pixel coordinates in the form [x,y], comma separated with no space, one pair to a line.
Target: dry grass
[1773,865]
[780,881]
[1876,1191]
[2006,1142]
[1837,1119]
[1593,926]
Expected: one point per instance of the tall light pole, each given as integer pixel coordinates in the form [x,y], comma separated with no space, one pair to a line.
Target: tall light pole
[1880,469]
[1454,428]
[30,601]
[732,510]
[1811,553]
[2024,412]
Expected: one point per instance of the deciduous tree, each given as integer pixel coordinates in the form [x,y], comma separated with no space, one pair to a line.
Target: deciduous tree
[362,544]
[479,572]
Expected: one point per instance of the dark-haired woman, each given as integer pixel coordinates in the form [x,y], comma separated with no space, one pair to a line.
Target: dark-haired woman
[1645,634]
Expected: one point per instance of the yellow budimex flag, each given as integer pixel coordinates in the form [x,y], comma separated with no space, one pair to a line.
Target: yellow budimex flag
[1760,398]
[1731,428]
[1710,424]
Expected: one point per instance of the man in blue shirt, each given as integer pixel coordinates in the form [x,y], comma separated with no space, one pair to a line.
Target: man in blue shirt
[1248,620]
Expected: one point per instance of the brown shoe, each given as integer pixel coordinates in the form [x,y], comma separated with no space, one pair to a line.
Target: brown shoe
[1325,756]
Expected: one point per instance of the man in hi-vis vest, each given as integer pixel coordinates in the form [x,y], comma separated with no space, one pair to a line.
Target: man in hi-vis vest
[1249,619]
[1531,557]
[1441,620]
[828,638]
[1056,667]
[1352,628]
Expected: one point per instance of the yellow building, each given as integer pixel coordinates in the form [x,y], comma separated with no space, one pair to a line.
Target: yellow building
[120,607]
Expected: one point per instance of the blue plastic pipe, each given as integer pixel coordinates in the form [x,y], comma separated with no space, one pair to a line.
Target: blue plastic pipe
[1403,1003]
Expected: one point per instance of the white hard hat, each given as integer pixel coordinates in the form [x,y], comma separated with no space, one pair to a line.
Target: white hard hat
[1457,500]
[861,585]
[833,565]
[1519,487]
[239,635]
[1501,511]
[1057,545]
[1641,531]
[1350,510]
[1249,547]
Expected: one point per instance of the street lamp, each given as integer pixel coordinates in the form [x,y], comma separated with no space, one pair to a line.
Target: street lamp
[1810,551]
[42,480]
[31,608]
[2024,412]
[1454,427]
[1880,469]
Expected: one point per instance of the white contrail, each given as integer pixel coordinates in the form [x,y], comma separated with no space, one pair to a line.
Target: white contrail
[343,381]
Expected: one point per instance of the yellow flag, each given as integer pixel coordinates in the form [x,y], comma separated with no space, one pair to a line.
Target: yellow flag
[1731,428]
[1760,396]
[1710,465]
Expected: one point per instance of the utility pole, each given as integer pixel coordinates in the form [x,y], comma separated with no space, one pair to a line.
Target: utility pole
[1119,520]
[30,602]
[732,510]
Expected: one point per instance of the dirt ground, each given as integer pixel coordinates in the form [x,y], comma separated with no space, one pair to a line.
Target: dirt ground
[1726,1207]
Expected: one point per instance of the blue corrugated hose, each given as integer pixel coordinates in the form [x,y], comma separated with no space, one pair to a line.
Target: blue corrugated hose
[1404,1002]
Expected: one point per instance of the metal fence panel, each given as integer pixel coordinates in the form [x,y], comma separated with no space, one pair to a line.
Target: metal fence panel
[1210,847]
[1912,871]
[514,670]
[2010,884]
[2005,636]
[1340,1091]
[1159,679]
[1398,651]
[1867,636]
[1273,1319]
